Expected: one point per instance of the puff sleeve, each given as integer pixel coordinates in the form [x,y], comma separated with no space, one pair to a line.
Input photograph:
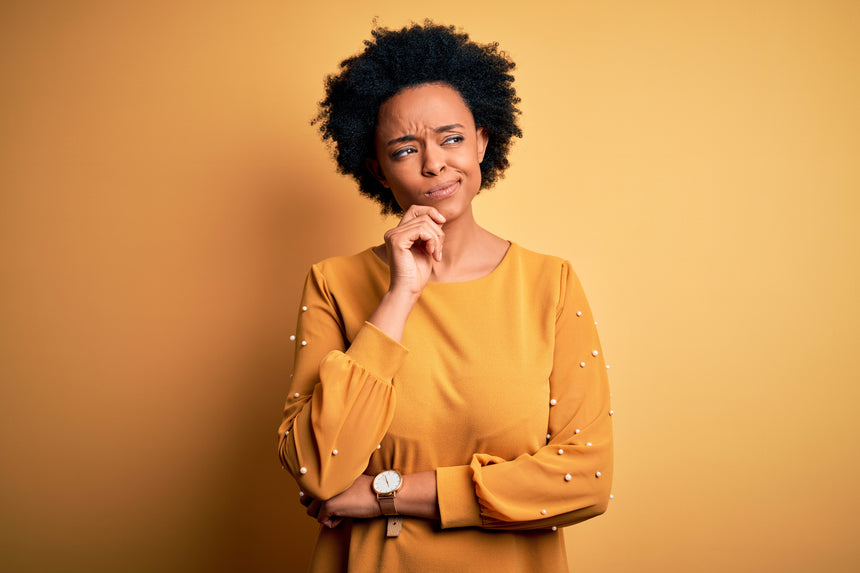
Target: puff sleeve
[566,481]
[341,400]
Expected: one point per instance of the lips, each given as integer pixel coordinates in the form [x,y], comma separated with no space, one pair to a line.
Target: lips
[443,190]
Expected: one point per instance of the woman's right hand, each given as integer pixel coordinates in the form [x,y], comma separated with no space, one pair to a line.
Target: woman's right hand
[412,247]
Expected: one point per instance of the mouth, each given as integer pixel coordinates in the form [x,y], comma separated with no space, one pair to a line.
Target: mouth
[442,190]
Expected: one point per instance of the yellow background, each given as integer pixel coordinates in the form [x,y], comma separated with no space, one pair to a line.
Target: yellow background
[162,195]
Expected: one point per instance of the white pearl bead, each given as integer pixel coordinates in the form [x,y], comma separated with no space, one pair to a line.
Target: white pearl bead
[576,431]
[555,528]
[588,444]
[607,366]
[543,512]
[553,402]
[594,353]
[303,471]
[578,313]
[304,342]
[304,308]
[287,433]
[568,477]
[379,447]
[283,467]
[334,452]
[560,452]
[301,494]
[582,364]
[292,337]
[597,474]
[611,496]
[296,395]
[549,437]
[611,412]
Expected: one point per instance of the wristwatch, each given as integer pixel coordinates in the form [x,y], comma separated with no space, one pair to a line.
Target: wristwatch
[386,485]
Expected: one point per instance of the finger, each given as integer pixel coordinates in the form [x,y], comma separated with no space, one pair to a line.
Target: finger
[314,508]
[416,211]
[437,216]
[405,231]
[437,251]
[433,242]
[407,228]
[422,223]
[333,522]
[424,231]
[428,236]
[325,515]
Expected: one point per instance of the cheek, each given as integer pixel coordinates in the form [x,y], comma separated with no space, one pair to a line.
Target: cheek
[401,174]
[402,199]
[470,160]
[397,181]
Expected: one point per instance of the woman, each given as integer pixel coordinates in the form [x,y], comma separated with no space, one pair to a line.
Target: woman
[449,407]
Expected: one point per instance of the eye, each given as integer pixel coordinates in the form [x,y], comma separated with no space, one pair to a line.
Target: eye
[453,140]
[403,152]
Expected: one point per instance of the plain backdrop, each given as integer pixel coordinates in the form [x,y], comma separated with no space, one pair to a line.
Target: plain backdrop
[162,195]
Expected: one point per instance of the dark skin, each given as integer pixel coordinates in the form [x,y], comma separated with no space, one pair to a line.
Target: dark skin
[428,153]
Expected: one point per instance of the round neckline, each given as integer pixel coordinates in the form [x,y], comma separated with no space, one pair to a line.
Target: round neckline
[495,270]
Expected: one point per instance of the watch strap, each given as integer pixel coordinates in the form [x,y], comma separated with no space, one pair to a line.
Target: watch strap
[394,525]
[386,504]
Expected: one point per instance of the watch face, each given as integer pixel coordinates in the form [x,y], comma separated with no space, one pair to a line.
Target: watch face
[387,482]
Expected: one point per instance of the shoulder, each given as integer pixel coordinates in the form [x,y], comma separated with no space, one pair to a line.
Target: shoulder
[539,265]
[350,273]
[536,259]
[347,264]
[548,274]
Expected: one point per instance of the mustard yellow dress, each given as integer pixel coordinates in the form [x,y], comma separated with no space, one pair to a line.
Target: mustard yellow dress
[499,385]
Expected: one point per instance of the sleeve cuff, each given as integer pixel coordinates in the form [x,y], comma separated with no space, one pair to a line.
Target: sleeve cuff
[458,504]
[377,352]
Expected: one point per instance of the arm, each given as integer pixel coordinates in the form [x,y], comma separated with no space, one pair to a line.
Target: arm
[534,490]
[416,498]
[341,401]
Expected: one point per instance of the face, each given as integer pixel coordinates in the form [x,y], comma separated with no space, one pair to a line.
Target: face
[428,150]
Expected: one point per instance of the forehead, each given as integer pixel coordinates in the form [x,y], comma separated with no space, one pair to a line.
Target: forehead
[424,106]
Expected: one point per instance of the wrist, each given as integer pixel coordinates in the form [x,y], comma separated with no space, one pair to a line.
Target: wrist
[400,297]
[386,485]
[393,311]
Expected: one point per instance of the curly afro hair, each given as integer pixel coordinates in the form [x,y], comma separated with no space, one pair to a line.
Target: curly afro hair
[397,59]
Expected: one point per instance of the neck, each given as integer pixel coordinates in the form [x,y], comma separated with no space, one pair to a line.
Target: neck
[469,252]
[463,236]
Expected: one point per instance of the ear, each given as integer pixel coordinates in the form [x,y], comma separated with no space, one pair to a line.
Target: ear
[483,138]
[376,171]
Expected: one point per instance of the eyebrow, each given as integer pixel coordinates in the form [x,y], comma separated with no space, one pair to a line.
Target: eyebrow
[442,129]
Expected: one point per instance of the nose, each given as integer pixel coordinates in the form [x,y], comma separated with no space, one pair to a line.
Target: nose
[434,161]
